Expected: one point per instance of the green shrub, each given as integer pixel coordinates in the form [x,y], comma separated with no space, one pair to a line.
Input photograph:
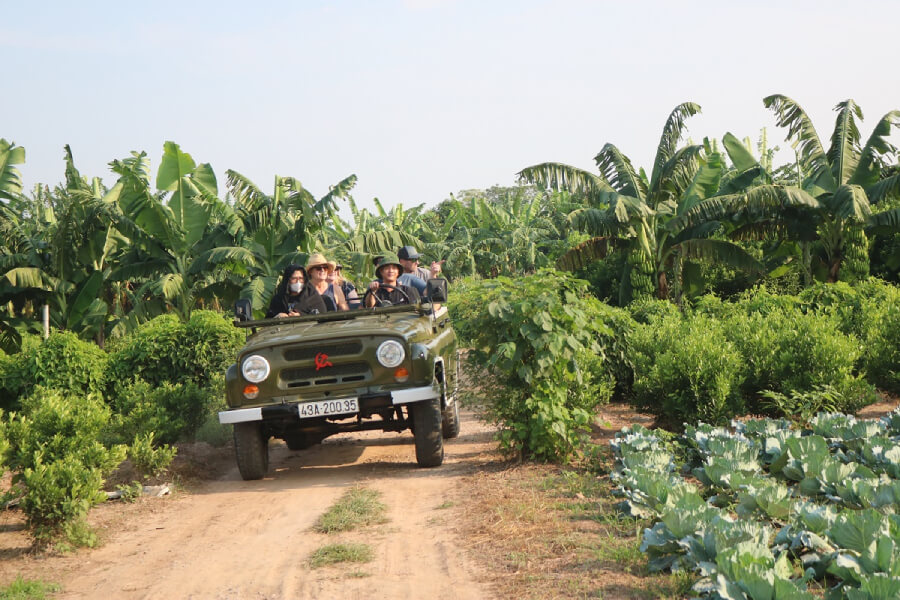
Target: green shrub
[881,355]
[58,496]
[171,411]
[650,310]
[838,300]
[55,452]
[539,338]
[686,370]
[149,459]
[761,300]
[63,362]
[785,351]
[167,350]
[54,424]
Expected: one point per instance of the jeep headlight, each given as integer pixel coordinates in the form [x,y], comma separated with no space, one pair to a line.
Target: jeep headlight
[390,354]
[255,368]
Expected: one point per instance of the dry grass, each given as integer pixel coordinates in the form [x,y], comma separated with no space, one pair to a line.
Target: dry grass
[544,532]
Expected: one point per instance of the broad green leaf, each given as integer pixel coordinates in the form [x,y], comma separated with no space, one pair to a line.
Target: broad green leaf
[740,156]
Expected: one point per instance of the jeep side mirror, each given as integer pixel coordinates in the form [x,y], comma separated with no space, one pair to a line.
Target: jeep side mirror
[436,290]
[243,310]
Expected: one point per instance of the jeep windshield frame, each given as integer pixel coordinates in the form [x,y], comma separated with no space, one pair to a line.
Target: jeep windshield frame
[422,308]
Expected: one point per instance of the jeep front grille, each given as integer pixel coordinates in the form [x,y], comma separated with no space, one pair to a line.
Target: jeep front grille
[309,352]
[341,373]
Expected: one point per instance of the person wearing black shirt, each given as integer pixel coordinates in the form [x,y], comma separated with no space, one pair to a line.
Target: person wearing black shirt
[387,290]
[294,297]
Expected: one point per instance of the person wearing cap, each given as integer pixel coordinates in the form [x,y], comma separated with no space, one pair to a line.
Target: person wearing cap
[387,288]
[294,296]
[318,268]
[409,259]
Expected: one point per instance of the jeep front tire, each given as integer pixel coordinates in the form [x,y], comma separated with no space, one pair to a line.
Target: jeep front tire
[251,447]
[427,433]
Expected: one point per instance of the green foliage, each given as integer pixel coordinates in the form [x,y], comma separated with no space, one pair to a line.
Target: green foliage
[880,333]
[839,300]
[56,453]
[167,350]
[63,362]
[685,369]
[58,497]
[149,459]
[785,350]
[650,310]
[540,339]
[27,589]
[815,513]
[54,424]
[358,507]
[172,412]
[331,554]
[804,405]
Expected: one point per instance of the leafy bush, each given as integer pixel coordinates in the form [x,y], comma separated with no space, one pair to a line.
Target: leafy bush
[54,450]
[58,497]
[651,310]
[63,362]
[880,332]
[787,351]
[685,369]
[538,337]
[171,411]
[166,350]
[54,424]
[881,355]
[839,300]
[149,459]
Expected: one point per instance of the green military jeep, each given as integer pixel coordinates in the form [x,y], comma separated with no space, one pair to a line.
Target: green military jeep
[302,379]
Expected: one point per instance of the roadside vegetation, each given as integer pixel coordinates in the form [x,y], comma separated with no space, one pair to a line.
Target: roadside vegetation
[712,286]
[27,589]
[357,508]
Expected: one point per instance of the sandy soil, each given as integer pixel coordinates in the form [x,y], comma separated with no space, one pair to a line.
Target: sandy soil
[231,539]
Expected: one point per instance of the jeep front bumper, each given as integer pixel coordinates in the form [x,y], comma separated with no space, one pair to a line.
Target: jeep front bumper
[259,413]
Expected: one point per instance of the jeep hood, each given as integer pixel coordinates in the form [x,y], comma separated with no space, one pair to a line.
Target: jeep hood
[403,325]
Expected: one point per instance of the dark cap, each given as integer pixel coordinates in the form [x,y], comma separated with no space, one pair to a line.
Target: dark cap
[408,253]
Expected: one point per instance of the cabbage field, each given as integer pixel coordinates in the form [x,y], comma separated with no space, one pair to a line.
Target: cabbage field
[768,511]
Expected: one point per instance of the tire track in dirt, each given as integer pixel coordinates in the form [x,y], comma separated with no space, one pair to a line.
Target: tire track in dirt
[231,539]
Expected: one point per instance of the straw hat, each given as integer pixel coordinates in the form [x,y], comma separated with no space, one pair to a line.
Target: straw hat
[318,260]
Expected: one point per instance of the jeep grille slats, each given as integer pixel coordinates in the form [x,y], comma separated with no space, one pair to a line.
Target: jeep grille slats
[309,352]
[341,373]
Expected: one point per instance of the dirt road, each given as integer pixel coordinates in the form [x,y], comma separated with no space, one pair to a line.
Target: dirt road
[231,539]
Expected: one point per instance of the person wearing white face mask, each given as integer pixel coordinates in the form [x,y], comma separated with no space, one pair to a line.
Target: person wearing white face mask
[294,297]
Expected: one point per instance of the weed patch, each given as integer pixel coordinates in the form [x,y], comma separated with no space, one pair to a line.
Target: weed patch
[358,507]
[340,553]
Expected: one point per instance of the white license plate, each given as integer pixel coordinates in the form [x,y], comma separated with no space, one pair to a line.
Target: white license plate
[324,408]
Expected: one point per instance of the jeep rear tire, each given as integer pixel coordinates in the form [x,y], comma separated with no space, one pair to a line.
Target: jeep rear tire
[251,447]
[450,421]
[427,433]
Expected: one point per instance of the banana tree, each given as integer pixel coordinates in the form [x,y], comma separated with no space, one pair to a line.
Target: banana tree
[628,209]
[167,230]
[260,234]
[836,192]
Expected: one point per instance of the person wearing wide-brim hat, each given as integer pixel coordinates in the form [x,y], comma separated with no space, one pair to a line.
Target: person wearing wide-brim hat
[318,268]
[386,289]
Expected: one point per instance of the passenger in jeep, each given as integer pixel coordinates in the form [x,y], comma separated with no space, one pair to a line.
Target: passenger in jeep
[294,296]
[387,290]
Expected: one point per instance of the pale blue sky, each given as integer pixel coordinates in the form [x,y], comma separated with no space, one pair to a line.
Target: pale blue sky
[421,98]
